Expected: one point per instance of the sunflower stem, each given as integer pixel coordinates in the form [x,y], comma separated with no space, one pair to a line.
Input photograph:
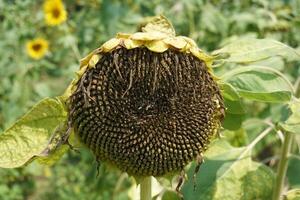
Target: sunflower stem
[282,166]
[146,188]
[284,156]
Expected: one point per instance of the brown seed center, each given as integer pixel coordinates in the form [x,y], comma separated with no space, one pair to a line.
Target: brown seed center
[36,47]
[56,13]
[147,113]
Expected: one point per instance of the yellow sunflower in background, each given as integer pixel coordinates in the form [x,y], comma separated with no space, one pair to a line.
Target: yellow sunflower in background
[55,12]
[37,48]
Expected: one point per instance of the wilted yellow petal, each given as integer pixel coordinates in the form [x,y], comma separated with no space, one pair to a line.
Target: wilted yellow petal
[94,59]
[80,72]
[202,56]
[110,44]
[131,44]
[157,46]
[155,35]
[159,24]
[123,35]
[188,40]
[176,42]
[85,61]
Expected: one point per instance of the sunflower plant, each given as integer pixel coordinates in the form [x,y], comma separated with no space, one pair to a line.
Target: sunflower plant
[150,103]
[37,48]
[55,12]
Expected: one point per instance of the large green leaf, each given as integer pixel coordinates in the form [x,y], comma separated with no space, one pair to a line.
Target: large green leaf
[31,135]
[259,83]
[235,111]
[227,175]
[232,100]
[275,62]
[292,124]
[229,92]
[56,147]
[251,49]
[233,121]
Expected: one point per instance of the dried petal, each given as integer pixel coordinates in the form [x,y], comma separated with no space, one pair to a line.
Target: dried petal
[157,46]
[110,45]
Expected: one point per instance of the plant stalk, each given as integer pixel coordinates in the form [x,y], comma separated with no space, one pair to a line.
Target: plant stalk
[146,189]
[286,149]
[282,166]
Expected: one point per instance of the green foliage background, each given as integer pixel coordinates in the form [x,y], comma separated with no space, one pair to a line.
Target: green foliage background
[211,24]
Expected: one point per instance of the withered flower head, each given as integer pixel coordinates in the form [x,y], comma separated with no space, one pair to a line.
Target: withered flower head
[146,102]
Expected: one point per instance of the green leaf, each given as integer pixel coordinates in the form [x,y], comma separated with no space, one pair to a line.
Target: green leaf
[233,121]
[292,124]
[235,111]
[251,49]
[234,107]
[293,195]
[259,83]
[229,92]
[293,174]
[275,62]
[170,195]
[272,97]
[53,156]
[226,176]
[237,138]
[30,135]
[56,149]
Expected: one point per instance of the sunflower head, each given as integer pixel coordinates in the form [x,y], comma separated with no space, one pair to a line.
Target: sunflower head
[146,102]
[55,12]
[37,48]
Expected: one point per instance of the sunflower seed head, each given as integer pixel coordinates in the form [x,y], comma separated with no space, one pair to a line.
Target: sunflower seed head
[147,113]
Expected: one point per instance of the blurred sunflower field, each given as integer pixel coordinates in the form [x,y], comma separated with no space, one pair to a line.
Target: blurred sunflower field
[42,42]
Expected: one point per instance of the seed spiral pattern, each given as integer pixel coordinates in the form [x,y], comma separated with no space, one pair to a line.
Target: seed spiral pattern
[146,113]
